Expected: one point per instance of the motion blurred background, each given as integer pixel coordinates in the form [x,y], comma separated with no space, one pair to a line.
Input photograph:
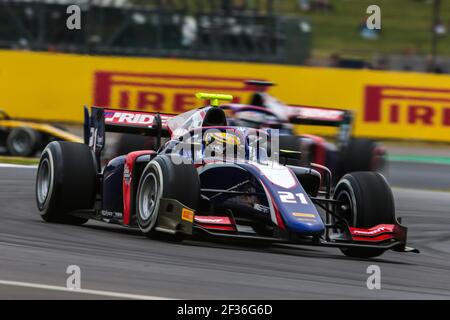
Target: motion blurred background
[154,54]
[414,35]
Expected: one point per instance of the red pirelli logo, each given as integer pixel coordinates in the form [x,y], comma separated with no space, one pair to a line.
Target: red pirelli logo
[161,92]
[407,105]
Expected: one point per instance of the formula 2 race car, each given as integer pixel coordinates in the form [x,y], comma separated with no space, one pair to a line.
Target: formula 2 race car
[213,180]
[26,138]
[347,154]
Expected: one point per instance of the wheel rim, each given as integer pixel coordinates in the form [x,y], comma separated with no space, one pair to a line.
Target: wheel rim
[148,197]
[345,209]
[43,181]
[21,142]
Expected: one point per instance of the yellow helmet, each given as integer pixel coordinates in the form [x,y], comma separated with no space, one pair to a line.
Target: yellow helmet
[222,137]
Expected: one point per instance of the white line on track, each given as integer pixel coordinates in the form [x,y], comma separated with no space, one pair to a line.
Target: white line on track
[9,165]
[82,291]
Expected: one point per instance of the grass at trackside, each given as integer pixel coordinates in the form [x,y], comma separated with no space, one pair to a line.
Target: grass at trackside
[19,160]
[405,24]
[420,159]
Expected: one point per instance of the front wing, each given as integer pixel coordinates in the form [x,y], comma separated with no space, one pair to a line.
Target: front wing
[175,218]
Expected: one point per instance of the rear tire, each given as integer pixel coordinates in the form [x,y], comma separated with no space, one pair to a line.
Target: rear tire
[23,142]
[368,202]
[162,178]
[361,155]
[65,182]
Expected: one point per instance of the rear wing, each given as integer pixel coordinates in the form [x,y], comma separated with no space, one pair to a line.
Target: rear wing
[102,120]
[318,116]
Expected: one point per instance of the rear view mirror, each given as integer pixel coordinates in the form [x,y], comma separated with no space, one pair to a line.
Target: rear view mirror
[290,157]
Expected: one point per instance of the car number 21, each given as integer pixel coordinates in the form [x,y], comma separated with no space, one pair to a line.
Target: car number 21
[289,197]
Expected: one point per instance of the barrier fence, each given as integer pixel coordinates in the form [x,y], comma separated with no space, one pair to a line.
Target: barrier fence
[190,30]
[391,105]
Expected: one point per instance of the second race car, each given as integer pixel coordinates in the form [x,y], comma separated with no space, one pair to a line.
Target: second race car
[26,138]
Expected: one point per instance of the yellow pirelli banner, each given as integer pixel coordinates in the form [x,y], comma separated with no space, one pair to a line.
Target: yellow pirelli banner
[48,86]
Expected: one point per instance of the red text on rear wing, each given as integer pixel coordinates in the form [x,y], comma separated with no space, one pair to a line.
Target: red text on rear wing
[316,115]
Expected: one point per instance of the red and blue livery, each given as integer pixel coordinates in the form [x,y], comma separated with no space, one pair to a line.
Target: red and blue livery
[208,179]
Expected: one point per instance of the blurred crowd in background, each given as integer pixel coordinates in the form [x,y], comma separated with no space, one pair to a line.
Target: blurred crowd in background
[333,33]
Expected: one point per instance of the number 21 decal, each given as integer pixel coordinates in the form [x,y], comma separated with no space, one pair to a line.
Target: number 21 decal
[289,197]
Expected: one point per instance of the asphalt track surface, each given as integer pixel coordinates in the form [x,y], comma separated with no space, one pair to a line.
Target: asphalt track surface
[120,263]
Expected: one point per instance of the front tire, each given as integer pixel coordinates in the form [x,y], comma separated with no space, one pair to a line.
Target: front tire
[368,201]
[65,182]
[162,178]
